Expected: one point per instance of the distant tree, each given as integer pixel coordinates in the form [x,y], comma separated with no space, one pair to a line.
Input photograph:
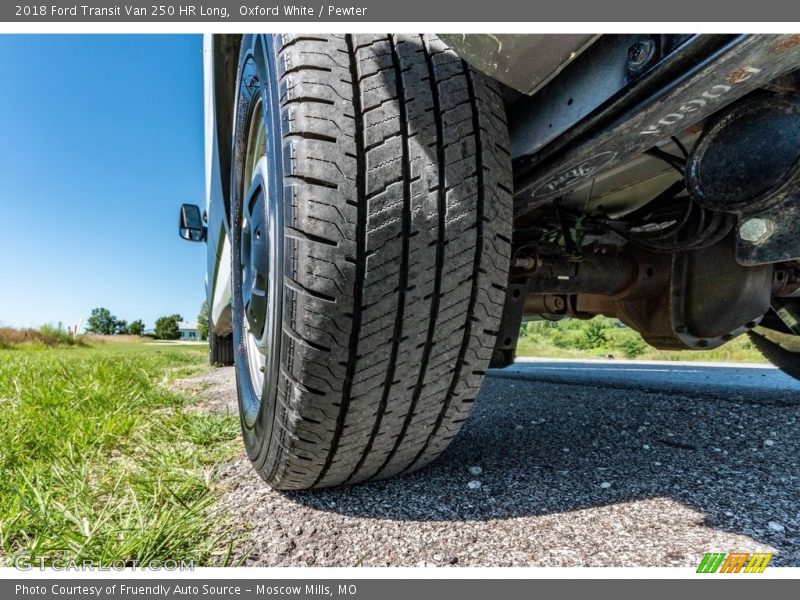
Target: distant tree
[136,327]
[101,321]
[121,327]
[632,346]
[593,336]
[167,328]
[203,320]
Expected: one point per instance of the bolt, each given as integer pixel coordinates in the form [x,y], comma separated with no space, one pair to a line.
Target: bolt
[555,304]
[525,263]
[756,230]
[640,53]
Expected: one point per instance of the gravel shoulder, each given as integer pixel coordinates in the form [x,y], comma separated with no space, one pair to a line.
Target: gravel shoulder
[545,474]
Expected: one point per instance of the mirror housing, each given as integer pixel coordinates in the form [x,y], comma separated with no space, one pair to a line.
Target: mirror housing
[190,224]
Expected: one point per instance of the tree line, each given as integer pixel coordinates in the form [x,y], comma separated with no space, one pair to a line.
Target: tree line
[102,322]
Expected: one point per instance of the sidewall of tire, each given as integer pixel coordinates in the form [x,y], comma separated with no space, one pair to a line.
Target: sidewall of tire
[257,437]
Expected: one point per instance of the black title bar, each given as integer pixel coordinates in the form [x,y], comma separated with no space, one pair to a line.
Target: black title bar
[451,11]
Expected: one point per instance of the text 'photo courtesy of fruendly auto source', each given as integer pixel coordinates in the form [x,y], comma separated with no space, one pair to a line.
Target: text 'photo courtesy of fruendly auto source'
[424,300]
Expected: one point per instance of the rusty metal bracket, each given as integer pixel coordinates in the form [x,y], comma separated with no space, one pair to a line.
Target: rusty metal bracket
[506,344]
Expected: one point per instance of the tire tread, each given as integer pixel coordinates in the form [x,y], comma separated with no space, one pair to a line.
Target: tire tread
[397,208]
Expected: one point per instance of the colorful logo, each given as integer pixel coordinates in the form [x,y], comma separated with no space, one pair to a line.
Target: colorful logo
[734,562]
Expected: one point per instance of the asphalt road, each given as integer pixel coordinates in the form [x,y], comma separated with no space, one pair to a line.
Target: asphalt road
[561,463]
[725,381]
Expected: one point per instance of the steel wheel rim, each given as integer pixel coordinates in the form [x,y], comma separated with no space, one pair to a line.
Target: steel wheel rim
[254,266]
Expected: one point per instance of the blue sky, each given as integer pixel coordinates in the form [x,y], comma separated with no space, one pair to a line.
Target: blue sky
[101,139]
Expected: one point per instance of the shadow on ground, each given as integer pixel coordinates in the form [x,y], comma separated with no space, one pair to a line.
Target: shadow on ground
[547,449]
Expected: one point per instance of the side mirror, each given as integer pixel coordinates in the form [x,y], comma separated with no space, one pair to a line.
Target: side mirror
[190,224]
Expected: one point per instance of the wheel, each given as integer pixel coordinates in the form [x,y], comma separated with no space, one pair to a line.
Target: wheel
[786,360]
[371,224]
[220,349]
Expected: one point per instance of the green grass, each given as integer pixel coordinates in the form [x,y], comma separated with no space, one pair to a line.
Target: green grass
[598,337]
[98,458]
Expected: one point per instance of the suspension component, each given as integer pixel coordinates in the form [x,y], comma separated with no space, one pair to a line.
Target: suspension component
[748,163]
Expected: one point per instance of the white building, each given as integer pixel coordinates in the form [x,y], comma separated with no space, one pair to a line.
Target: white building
[189,332]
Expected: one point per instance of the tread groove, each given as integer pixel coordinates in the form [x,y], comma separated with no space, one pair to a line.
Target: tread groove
[460,361]
[361,259]
[397,332]
[311,237]
[441,208]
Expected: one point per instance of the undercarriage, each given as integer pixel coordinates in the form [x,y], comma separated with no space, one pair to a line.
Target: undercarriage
[656,181]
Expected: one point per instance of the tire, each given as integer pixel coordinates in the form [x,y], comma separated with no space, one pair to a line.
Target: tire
[220,349]
[785,360]
[372,306]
